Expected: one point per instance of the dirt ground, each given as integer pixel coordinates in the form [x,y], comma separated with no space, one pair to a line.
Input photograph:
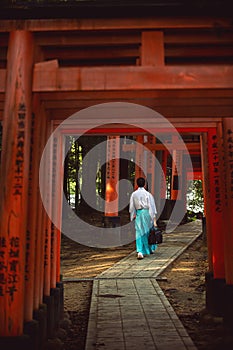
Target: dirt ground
[183,284]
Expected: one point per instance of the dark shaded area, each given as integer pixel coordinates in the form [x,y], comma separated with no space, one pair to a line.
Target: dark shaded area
[104,8]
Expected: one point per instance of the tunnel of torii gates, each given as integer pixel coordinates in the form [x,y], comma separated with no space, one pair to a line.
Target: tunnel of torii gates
[31,287]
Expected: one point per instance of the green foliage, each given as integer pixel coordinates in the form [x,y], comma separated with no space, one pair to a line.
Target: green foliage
[195,201]
[76,173]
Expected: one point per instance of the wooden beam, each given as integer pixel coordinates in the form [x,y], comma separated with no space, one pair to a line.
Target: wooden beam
[178,95]
[163,147]
[134,78]
[115,23]
[127,129]
[61,109]
[107,38]
[171,37]
[200,114]
[197,121]
[207,51]
[64,103]
[140,94]
[93,53]
[190,37]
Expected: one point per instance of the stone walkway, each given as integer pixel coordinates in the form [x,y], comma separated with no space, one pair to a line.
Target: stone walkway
[128,308]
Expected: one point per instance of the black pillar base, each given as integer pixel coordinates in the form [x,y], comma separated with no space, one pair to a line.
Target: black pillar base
[40,316]
[214,294]
[60,285]
[31,329]
[13,343]
[204,228]
[111,221]
[228,306]
[49,301]
[55,293]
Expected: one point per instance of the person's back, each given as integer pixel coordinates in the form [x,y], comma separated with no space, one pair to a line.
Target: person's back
[143,210]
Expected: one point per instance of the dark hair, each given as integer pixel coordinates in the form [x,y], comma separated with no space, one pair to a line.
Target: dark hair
[141,182]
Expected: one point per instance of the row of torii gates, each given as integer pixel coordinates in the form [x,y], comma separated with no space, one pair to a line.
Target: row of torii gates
[36,95]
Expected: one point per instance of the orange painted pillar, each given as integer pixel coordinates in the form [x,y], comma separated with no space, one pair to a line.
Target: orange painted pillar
[38,278]
[139,158]
[228,222]
[44,228]
[54,255]
[112,175]
[163,179]
[57,204]
[204,163]
[47,257]
[215,277]
[176,185]
[14,181]
[162,192]
[57,195]
[216,203]
[206,191]
[152,48]
[48,299]
[151,165]
[32,215]
[47,223]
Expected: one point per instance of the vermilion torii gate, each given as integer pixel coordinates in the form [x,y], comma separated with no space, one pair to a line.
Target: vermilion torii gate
[52,68]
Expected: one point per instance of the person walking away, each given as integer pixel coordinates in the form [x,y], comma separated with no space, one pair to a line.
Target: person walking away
[142,209]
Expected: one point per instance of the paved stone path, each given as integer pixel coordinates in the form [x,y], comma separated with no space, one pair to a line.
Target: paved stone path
[129,311]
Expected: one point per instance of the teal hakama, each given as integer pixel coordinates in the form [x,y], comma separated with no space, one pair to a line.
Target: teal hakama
[143,223]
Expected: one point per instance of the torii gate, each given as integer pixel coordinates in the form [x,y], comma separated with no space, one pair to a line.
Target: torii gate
[29,243]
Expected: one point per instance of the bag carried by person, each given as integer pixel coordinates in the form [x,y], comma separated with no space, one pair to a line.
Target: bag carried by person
[155,236]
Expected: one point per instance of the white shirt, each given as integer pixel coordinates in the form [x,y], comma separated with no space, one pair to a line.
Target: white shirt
[142,199]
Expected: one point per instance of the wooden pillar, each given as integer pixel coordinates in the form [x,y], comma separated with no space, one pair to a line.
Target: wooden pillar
[228,222]
[47,257]
[112,175]
[206,191]
[152,54]
[216,202]
[215,278]
[32,215]
[152,48]
[45,232]
[162,191]
[57,172]
[177,163]
[47,228]
[14,181]
[151,165]
[204,175]
[163,179]
[39,248]
[139,158]
[57,193]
